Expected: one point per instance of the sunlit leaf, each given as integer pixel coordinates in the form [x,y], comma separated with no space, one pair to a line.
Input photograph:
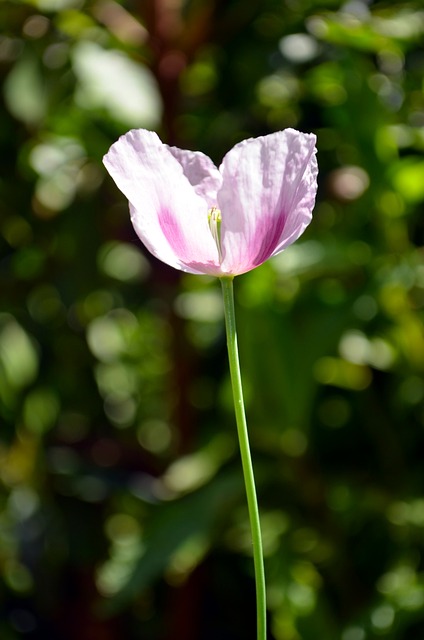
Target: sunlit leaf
[25,91]
[109,80]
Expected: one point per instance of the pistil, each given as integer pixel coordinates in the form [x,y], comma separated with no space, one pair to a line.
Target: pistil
[214,221]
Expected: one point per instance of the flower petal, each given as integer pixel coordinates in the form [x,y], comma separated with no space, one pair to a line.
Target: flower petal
[168,215]
[201,172]
[267,196]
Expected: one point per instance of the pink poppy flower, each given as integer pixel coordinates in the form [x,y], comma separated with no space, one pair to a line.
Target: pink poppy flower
[222,222]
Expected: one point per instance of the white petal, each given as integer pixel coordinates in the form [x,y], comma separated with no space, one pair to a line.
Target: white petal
[168,215]
[267,196]
[201,172]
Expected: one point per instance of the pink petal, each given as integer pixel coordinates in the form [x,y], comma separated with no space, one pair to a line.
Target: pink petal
[168,215]
[267,196]
[201,172]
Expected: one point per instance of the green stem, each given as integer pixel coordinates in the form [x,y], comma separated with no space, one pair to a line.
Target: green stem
[249,479]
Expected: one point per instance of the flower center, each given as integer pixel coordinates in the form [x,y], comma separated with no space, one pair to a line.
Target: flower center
[214,221]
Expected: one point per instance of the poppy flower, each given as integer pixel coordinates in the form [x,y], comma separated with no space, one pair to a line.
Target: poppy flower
[222,222]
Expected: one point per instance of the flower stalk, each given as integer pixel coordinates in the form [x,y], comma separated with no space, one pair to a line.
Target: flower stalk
[249,479]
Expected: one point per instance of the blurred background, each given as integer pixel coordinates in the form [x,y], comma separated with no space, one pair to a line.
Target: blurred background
[122,508]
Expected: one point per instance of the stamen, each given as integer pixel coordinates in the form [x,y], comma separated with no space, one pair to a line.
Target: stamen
[214,221]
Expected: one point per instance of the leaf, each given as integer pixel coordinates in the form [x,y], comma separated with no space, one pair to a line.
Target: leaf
[171,526]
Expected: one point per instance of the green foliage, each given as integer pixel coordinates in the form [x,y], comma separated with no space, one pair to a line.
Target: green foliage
[122,512]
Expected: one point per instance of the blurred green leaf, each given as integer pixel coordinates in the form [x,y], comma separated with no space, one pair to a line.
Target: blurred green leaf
[24,91]
[109,80]
[408,179]
[171,525]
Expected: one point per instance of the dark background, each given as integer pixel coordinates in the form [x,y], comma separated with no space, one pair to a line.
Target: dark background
[122,509]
